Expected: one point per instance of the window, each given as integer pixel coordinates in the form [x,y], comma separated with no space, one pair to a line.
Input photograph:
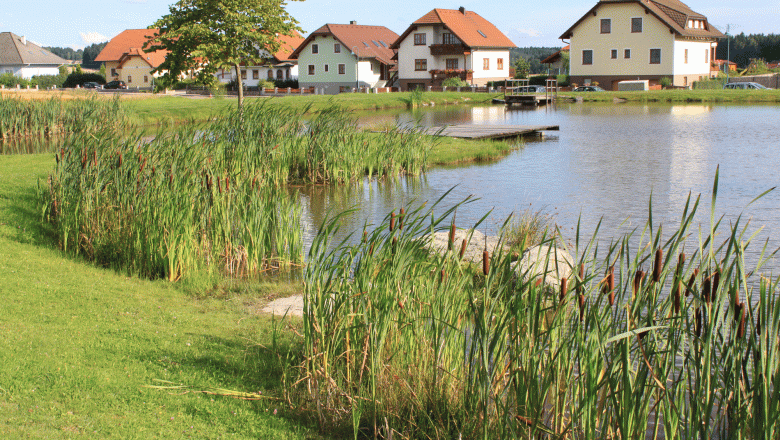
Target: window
[448,38]
[326,67]
[279,74]
[655,56]
[485,63]
[613,54]
[500,64]
[243,74]
[271,73]
[452,63]
[113,72]
[315,48]
[419,39]
[686,56]
[311,71]
[255,74]
[636,24]
[627,53]
[706,55]
[606,25]
[129,78]
[336,48]
[420,64]
[342,69]
[587,56]
[146,78]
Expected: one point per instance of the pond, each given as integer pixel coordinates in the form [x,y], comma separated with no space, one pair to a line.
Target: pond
[604,164]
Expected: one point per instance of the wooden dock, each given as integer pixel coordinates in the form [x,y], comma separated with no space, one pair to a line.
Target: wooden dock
[528,99]
[466,131]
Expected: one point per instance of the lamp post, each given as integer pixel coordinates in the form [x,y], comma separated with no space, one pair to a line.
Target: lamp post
[357,68]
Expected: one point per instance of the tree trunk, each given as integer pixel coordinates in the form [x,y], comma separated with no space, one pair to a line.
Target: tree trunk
[240,85]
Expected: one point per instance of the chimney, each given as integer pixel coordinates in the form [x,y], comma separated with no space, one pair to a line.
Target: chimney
[462,10]
[24,40]
[353,22]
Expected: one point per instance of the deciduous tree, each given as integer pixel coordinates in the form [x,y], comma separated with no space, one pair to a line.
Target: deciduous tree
[205,35]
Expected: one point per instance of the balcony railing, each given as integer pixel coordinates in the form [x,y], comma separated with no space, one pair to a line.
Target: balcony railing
[438,76]
[448,49]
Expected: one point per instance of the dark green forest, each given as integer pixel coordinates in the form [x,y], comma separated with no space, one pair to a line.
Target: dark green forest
[744,48]
[534,55]
[86,56]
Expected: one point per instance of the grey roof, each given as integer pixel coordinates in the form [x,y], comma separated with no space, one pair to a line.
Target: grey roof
[15,52]
[673,13]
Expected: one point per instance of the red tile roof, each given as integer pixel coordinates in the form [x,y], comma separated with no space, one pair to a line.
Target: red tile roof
[130,43]
[468,26]
[287,44]
[368,41]
[556,56]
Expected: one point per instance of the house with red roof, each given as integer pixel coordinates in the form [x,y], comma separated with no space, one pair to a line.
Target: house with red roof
[126,60]
[451,42]
[343,57]
[620,40]
[556,63]
[278,66]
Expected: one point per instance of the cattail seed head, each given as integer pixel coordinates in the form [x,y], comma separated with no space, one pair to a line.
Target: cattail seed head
[462,248]
[677,290]
[715,283]
[581,280]
[741,330]
[698,321]
[401,219]
[638,281]
[659,256]
[564,288]
[392,221]
[371,249]
[365,236]
[451,241]
[692,280]
[705,290]
[443,276]
[485,262]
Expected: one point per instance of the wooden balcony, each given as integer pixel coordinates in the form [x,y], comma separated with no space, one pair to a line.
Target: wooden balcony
[448,49]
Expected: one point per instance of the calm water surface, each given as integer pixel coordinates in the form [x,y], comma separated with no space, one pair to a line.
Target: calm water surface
[604,163]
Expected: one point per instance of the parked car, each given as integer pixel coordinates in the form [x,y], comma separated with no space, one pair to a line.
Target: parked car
[531,89]
[115,85]
[745,85]
[91,85]
[588,89]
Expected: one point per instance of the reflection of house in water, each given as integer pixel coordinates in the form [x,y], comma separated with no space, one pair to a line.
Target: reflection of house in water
[488,114]
[690,147]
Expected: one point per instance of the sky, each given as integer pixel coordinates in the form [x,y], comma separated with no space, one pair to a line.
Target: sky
[79,23]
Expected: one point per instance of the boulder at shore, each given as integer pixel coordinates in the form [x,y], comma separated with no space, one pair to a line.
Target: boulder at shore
[550,262]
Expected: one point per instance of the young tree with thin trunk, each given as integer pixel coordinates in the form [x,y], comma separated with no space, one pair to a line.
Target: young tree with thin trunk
[205,35]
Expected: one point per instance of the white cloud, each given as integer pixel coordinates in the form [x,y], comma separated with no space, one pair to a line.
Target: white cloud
[529,32]
[93,37]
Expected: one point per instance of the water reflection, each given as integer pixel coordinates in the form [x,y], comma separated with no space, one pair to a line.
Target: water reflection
[605,163]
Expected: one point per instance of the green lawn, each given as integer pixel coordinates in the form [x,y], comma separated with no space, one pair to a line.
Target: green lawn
[80,344]
[718,95]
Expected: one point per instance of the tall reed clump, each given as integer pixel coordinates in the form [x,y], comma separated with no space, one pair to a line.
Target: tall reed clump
[212,196]
[20,118]
[655,336]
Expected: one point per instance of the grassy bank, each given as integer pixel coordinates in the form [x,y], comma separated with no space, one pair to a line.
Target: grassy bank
[81,344]
[709,96]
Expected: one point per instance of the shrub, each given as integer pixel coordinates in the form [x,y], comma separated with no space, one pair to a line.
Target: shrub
[709,84]
[537,80]
[11,80]
[283,84]
[78,79]
[47,81]
[563,80]
[665,81]
[454,82]
[265,84]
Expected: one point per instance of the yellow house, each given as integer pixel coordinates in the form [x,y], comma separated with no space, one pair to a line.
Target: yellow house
[619,40]
[126,61]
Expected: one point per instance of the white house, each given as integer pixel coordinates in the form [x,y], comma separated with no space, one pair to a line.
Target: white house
[278,67]
[451,42]
[621,40]
[26,59]
[342,57]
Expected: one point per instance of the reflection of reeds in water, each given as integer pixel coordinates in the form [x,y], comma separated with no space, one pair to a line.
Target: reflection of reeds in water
[210,197]
[396,348]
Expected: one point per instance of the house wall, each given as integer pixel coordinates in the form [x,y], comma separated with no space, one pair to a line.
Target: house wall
[698,65]
[136,72]
[227,75]
[28,72]
[367,72]
[109,66]
[588,36]
[493,73]
[408,52]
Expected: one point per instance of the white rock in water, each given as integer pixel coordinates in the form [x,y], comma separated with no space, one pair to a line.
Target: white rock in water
[478,243]
[551,262]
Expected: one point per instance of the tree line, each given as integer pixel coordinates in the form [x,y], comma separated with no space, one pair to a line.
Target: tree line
[534,56]
[742,48]
[85,56]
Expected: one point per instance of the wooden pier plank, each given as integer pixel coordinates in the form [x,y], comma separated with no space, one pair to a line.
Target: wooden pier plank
[468,131]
